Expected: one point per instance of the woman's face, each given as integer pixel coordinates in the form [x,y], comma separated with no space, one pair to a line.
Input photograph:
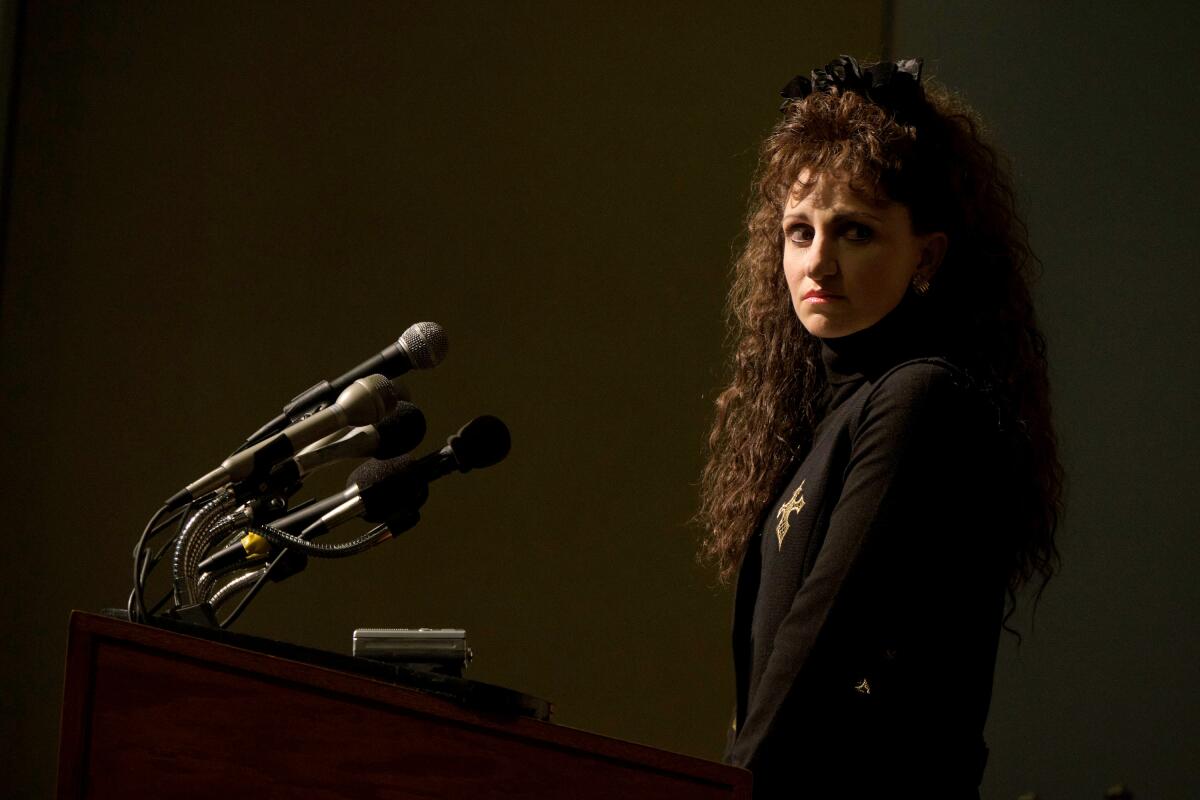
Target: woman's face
[847,260]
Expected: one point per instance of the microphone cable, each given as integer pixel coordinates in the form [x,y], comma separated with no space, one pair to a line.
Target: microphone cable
[136,605]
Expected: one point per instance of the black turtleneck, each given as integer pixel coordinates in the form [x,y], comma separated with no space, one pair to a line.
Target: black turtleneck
[902,335]
[868,606]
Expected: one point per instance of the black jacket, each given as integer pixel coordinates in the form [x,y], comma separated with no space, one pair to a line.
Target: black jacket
[868,605]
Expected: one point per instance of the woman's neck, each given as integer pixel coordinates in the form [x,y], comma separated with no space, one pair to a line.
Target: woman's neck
[901,335]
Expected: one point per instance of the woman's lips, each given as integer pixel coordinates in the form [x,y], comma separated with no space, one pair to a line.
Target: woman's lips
[816,296]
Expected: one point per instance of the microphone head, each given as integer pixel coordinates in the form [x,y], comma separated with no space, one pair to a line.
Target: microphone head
[425,343]
[372,471]
[368,400]
[482,442]
[391,487]
[400,431]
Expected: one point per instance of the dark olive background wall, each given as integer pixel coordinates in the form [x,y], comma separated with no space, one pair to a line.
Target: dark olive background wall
[215,205]
[1098,105]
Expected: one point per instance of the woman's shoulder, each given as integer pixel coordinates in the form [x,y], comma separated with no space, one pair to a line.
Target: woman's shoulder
[929,391]
[926,378]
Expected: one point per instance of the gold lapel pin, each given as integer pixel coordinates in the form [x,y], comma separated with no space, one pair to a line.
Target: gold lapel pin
[785,513]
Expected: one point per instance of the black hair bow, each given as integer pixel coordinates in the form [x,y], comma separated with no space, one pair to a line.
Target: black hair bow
[894,85]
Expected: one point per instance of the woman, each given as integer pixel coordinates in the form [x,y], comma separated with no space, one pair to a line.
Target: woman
[883,466]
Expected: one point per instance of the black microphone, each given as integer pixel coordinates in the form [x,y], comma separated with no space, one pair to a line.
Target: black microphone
[388,491]
[364,402]
[480,443]
[422,346]
[365,476]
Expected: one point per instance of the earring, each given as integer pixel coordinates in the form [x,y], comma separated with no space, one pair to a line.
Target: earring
[920,284]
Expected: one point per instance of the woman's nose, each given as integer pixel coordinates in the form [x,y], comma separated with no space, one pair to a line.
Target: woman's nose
[822,254]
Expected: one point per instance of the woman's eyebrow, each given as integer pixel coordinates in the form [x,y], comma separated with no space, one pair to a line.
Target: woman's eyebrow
[840,215]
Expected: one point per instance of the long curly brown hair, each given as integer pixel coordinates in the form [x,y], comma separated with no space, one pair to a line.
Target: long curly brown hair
[938,165]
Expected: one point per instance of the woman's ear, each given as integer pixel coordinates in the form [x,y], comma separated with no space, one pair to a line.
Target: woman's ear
[933,250]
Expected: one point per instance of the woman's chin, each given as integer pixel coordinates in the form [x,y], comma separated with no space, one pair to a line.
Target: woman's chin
[827,326]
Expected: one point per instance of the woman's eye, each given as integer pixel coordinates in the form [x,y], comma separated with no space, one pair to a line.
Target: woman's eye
[800,234]
[858,233]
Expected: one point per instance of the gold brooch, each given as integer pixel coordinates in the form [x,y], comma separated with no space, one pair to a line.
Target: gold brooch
[785,513]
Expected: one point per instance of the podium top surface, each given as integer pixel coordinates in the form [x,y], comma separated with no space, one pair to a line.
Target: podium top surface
[151,710]
[481,696]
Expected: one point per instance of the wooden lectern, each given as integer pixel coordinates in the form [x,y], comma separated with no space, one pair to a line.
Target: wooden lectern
[151,712]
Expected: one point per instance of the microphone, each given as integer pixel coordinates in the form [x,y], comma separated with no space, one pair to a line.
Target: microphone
[394,435]
[366,475]
[401,392]
[382,491]
[397,433]
[422,346]
[482,442]
[364,402]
